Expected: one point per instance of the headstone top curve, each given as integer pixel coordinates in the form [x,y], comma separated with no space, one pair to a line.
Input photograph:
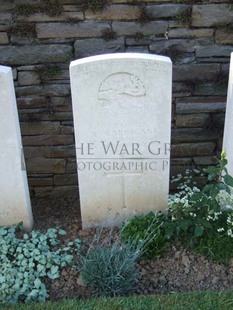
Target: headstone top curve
[117,56]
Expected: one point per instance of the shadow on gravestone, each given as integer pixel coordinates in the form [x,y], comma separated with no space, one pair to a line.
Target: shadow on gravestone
[228,128]
[122,119]
[15,205]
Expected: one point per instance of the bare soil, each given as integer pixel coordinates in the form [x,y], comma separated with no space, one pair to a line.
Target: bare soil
[177,270]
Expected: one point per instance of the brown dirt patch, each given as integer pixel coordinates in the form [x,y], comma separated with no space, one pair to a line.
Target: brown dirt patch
[176,270]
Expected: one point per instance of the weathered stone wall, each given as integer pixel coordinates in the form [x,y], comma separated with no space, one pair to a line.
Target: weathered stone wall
[38,39]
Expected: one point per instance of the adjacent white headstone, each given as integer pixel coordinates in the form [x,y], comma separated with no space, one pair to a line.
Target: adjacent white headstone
[228,129]
[15,203]
[122,119]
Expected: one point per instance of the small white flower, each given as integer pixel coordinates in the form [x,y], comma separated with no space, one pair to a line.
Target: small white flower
[209,217]
[192,214]
[229,233]
[229,219]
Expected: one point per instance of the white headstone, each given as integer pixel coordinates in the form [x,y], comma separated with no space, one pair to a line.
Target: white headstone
[228,129]
[15,203]
[122,120]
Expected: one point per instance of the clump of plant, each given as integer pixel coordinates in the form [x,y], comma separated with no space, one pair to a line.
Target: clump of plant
[174,53]
[69,57]
[145,16]
[228,27]
[26,259]
[94,5]
[184,17]
[138,36]
[109,34]
[47,72]
[203,218]
[146,231]
[25,9]
[52,7]
[191,1]
[110,269]
[72,20]
[24,30]
[221,79]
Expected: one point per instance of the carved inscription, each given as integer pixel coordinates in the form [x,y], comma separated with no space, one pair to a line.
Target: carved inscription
[124,89]
[90,69]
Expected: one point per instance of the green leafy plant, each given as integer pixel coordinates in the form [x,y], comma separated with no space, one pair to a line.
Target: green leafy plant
[218,178]
[203,218]
[26,259]
[110,269]
[218,248]
[146,231]
[189,217]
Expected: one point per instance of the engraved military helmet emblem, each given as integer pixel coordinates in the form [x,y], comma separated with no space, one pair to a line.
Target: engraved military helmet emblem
[122,88]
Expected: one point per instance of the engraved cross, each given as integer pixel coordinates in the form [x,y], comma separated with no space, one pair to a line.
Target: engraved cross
[123,175]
